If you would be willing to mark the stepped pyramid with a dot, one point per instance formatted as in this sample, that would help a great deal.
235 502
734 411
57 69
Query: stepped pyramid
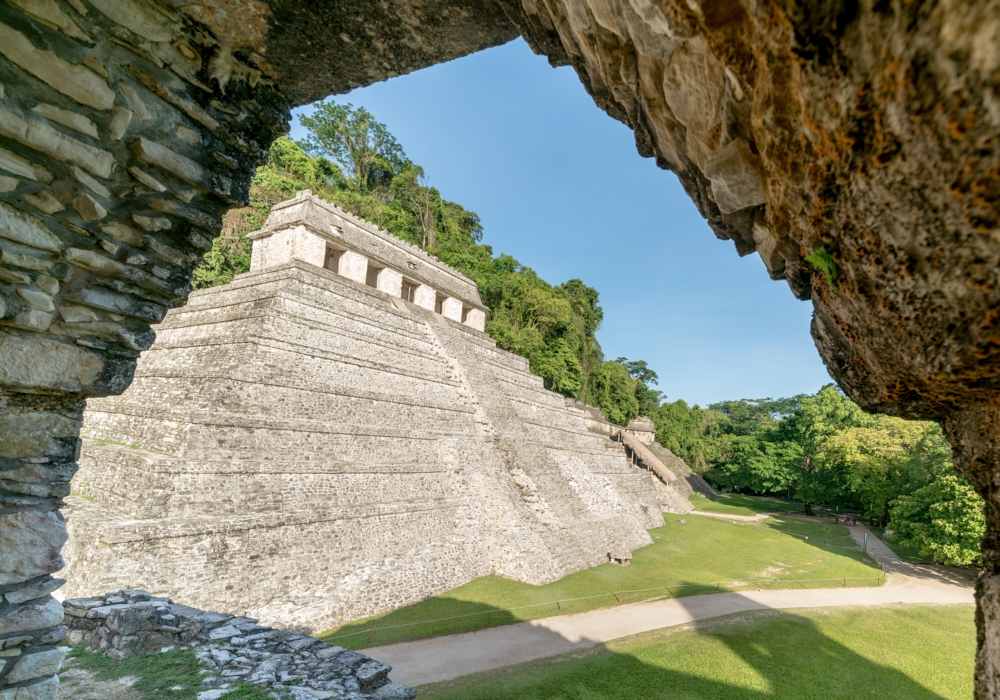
332 435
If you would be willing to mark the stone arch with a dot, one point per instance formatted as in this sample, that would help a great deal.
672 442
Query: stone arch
865 132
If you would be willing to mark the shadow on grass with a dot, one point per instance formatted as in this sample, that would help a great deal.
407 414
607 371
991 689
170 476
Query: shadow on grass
757 654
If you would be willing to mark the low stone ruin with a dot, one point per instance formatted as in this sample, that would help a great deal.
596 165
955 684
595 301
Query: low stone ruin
233 649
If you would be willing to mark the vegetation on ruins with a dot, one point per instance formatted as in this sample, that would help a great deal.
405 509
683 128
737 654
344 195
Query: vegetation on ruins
695 555
896 653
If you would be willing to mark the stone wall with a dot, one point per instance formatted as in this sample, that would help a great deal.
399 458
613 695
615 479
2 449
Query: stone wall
311 450
127 623
126 131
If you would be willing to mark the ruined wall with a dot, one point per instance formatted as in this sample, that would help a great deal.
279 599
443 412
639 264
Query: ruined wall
126 131
310 450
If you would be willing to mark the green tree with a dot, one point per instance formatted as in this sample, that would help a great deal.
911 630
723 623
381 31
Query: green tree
355 140
613 391
943 520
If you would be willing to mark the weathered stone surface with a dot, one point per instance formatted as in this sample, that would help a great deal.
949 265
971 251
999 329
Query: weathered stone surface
29 545
171 161
28 618
88 208
233 649
24 228
92 184
49 13
27 361
35 590
737 177
73 81
44 201
36 299
42 663
46 690
135 17
19 166
67 118
50 141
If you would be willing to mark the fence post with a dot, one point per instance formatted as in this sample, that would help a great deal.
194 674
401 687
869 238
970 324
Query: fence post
845 583
489 617
559 603
368 641
619 596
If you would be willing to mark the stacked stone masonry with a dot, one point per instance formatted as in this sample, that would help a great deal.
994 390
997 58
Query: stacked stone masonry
126 131
233 650
305 448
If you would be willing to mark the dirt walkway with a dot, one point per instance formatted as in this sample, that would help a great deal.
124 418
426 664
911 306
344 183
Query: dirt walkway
444 658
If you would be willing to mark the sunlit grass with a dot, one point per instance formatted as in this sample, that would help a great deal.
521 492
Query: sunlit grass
898 653
740 504
711 554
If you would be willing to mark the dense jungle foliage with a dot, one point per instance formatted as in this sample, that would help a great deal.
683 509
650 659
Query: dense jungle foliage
352 160
821 450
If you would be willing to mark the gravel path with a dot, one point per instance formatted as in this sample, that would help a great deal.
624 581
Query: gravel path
444 658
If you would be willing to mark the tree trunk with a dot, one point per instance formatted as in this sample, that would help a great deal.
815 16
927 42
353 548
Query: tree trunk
974 433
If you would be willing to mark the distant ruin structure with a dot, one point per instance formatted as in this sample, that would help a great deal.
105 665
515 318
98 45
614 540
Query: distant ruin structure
333 435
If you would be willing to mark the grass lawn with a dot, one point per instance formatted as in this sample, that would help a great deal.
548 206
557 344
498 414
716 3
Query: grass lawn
897 653
702 551
739 504
159 674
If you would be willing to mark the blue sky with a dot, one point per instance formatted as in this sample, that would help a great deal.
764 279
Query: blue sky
559 185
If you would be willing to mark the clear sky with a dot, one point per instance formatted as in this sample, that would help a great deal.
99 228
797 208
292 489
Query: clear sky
559 185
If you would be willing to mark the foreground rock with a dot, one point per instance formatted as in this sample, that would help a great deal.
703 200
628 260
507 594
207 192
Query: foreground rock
233 649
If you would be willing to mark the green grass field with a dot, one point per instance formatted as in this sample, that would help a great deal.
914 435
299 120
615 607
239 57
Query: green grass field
898 653
702 551
739 504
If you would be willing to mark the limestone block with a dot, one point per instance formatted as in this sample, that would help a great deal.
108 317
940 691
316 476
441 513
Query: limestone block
31 320
36 299
8 184
354 266
46 690
44 201
74 81
14 163
452 308
119 123
476 319
425 296
77 314
737 177
49 13
42 663
29 545
147 179
67 118
30 618
35 590
27 361
24 228
390 281
308 247
767 248
89 182
168 159
44 138
134 17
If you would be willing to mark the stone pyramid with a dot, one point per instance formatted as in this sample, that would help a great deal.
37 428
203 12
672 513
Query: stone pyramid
308 449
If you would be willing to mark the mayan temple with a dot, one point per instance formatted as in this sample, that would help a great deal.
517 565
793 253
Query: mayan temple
332 435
